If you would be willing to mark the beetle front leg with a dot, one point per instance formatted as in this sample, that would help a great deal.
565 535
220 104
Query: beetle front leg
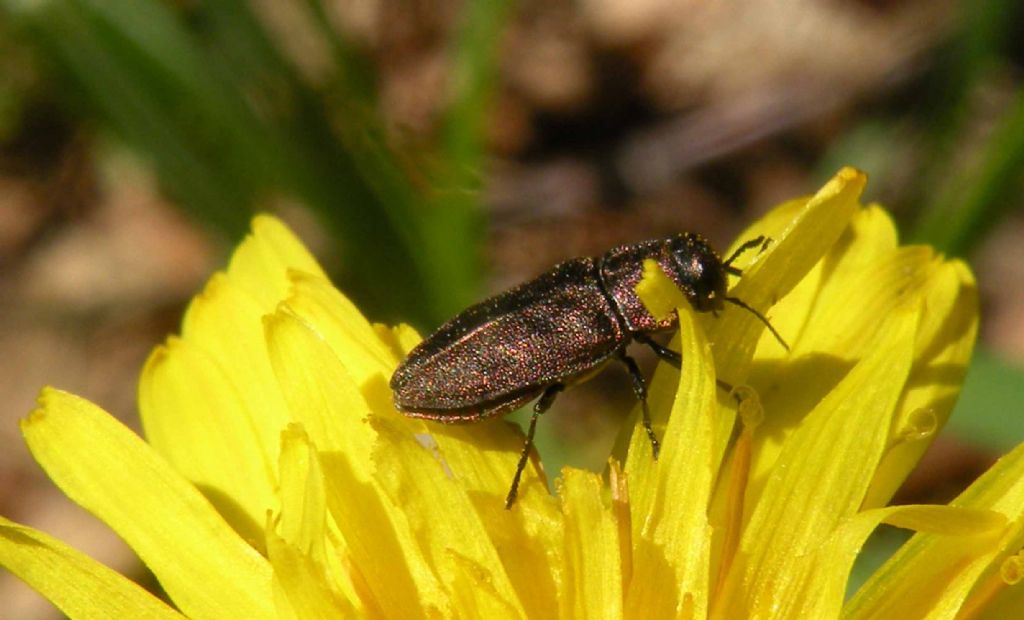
542 405
750 244
640 389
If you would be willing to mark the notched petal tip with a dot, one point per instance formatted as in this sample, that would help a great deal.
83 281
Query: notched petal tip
401 338
36 416
48 403
48 394
275 234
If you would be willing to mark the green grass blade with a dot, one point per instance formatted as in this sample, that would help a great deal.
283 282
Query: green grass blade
971 202
228 125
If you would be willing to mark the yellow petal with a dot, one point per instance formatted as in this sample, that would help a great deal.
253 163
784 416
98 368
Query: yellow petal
482 459
226 324
78 585
320 393
484 455
808 230
668 498
1008 599
825 583
658 293
945 341
196 420
303 517
383 549
473 593
819 478
933 576
594 564
794 252
261 263
865 277
332 315
772 224
400 339
443 520
205 568
301 585
323 397
305 583
869 238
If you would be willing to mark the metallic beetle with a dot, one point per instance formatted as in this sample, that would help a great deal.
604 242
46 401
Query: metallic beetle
535 339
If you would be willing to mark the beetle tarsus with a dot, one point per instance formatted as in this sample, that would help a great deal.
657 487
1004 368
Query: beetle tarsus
640 390
542 405
655 444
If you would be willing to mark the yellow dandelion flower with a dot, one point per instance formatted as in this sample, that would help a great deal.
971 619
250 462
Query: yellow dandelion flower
276 479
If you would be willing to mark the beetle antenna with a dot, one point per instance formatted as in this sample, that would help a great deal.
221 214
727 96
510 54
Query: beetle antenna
739 302
750 244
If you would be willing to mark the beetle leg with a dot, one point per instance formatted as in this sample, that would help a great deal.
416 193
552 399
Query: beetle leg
750 244
640 389
542 405
663 352
672 357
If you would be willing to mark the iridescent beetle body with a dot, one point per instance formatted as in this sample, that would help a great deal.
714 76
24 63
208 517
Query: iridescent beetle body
535 339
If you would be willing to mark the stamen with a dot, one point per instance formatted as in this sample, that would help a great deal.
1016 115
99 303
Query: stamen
737 473
1010 572
748 406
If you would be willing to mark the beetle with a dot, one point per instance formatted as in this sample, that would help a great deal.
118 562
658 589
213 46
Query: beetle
532 341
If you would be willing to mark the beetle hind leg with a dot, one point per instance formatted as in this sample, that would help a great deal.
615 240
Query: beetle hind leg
542 405
640 389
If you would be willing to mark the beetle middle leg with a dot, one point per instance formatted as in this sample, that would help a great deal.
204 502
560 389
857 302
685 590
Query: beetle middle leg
542 405
640 389
663 352
672 357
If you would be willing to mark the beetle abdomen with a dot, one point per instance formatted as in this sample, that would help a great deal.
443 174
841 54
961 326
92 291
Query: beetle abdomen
504 351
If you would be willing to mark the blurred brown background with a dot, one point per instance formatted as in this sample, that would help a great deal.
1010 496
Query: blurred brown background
595 123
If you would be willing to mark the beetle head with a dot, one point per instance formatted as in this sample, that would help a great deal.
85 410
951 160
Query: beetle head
702 275
698 272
